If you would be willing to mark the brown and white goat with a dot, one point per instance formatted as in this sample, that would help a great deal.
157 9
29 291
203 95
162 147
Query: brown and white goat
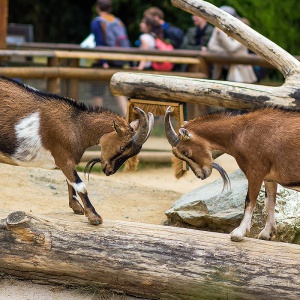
49 131
265 144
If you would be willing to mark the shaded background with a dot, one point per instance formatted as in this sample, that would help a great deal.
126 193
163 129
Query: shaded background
57 21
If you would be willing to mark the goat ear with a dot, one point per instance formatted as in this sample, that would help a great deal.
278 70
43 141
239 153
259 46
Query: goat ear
118 129
184 134
135 124
184 122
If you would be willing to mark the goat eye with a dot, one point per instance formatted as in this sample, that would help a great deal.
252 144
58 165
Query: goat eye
122 149
185 153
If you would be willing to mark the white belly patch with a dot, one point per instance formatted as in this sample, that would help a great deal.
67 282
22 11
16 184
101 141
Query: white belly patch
30 151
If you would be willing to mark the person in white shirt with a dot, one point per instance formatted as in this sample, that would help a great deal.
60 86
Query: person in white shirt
150 29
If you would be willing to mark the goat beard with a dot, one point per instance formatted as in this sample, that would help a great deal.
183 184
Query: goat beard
178 167
224 175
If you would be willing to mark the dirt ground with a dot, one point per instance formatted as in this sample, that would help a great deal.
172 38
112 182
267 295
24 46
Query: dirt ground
141 196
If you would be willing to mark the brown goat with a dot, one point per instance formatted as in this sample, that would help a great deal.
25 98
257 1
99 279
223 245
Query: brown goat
265 144
49 131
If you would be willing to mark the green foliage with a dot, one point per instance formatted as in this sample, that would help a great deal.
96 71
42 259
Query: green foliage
69 21
277 20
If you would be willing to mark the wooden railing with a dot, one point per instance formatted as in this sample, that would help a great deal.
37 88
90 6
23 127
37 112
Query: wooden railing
62 61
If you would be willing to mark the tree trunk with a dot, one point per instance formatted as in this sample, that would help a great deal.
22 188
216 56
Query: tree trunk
153 261
219 93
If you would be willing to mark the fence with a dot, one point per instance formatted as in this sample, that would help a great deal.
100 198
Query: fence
59 66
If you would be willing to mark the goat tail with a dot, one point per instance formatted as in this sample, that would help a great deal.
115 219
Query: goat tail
224 175
89 166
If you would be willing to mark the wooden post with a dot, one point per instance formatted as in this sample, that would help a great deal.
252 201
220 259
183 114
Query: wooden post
73 84
157 262
53 83
3 25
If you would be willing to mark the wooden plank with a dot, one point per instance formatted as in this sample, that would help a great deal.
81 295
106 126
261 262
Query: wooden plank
125 57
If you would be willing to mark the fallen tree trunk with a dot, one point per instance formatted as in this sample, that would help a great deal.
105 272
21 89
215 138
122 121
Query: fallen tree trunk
153 261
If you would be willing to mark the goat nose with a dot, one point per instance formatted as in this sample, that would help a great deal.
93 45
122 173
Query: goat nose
206 173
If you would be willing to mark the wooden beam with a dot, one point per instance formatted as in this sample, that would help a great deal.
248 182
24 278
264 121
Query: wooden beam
147 260
227 94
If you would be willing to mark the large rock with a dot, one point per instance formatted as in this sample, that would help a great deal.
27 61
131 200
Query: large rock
208 208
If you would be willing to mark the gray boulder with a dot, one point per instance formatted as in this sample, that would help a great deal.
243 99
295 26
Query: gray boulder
208 208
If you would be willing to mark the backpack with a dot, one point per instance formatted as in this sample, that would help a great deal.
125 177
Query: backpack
114 32
174 34
163 66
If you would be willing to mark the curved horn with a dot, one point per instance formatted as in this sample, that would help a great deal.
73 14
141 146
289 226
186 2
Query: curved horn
151 124
172 137
144 129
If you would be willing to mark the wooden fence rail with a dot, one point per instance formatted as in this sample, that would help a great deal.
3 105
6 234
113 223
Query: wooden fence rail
62 61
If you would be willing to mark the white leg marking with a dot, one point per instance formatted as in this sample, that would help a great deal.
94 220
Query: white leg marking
30 151
78 187
245 226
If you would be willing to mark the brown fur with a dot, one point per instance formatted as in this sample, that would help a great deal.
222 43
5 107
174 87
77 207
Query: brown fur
265 144
66 130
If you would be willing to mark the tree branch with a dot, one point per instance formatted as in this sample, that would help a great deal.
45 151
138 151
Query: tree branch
275 55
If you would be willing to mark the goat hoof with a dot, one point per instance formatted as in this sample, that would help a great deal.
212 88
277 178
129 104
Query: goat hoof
235 238
78 212
265 236
236 235
76 206
95 220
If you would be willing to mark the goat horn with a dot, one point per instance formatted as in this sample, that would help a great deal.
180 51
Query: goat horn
171 135
151 124
145 127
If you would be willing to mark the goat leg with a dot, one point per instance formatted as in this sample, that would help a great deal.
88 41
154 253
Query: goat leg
238 234
75 185
270 201
89 209
73 202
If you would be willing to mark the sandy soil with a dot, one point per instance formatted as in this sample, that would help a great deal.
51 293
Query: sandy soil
141 196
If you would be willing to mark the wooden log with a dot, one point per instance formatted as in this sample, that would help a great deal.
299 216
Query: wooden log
227 94
147 260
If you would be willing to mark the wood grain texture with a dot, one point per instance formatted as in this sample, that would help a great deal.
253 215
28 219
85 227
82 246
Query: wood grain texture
147 260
